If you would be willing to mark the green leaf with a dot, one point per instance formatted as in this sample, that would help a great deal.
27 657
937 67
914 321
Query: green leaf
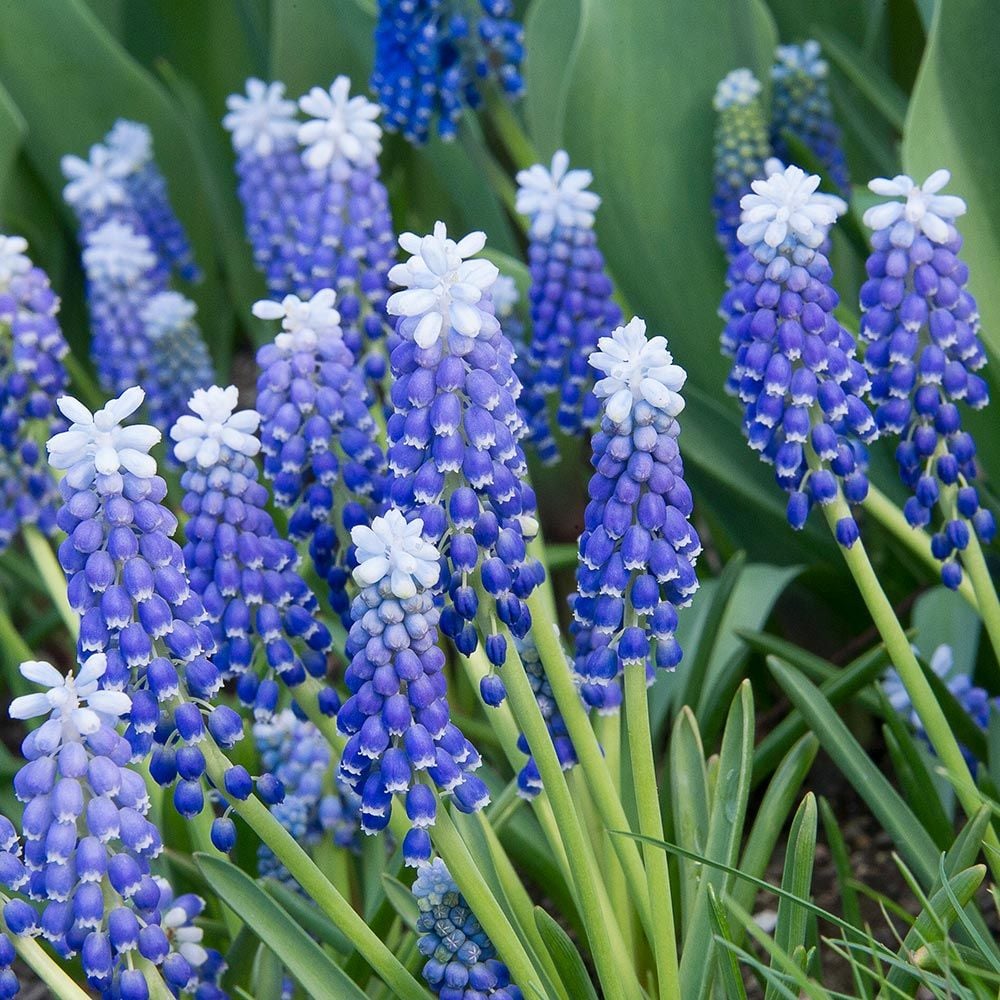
913 841
240 959
569 965
796 879
956 94
402 900
551 33
688 789
942 617
725 830
876 85
310 916
916 782
299 953
12 129
729 966
934 920
782 791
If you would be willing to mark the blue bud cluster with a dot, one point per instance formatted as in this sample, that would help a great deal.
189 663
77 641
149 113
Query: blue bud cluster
316 804
397 718
462 963
431 58
32 376
801 107
920 325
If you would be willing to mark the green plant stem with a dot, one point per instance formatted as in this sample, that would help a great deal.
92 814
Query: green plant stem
519 147
585 871
465 871
11 640
545 632
986 593
44 966
314 883
88 390
52 575
505 729
647 802
883 510
901 654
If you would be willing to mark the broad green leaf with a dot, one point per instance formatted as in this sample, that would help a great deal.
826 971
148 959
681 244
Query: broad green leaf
639 115
571 969
551 30
304 959
725 831
913 841
12 129
876 85
240 959
942 617
796 879
71 81
916 783
956 94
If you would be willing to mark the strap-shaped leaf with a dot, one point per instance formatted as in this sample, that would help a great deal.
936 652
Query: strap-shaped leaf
304 959
565 957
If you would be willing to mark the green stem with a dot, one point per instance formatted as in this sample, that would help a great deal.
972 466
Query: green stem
44 966
52 575
88 390
519 147
302 868
922 698
465 871
880 507
986 594
588 751
616 979
647 802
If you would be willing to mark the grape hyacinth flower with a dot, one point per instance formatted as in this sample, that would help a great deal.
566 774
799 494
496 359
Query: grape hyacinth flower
742 147
921 328
529 780
977 702
397 718
96 189
87 843
638 548
462 963
571 303
431 56
454 452
32 376
131 144
179 359
317 433
343 228
794 366
128 581
801 108
295 752
240 567
272 176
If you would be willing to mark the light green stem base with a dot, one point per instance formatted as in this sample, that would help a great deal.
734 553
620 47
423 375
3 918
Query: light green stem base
52 576
647 800
986 594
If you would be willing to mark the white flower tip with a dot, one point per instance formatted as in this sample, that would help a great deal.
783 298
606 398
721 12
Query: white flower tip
556 196
785 204
215 426
393 548
923 209
341 128
739 87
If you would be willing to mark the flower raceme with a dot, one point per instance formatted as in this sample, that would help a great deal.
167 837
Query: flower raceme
32 376
317 433
571 299
241 568
638 548
397 718
430 56
454 456
794 366
742 146
317 214
920 327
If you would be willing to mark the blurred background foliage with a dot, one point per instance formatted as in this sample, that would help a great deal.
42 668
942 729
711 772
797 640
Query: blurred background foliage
625 87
